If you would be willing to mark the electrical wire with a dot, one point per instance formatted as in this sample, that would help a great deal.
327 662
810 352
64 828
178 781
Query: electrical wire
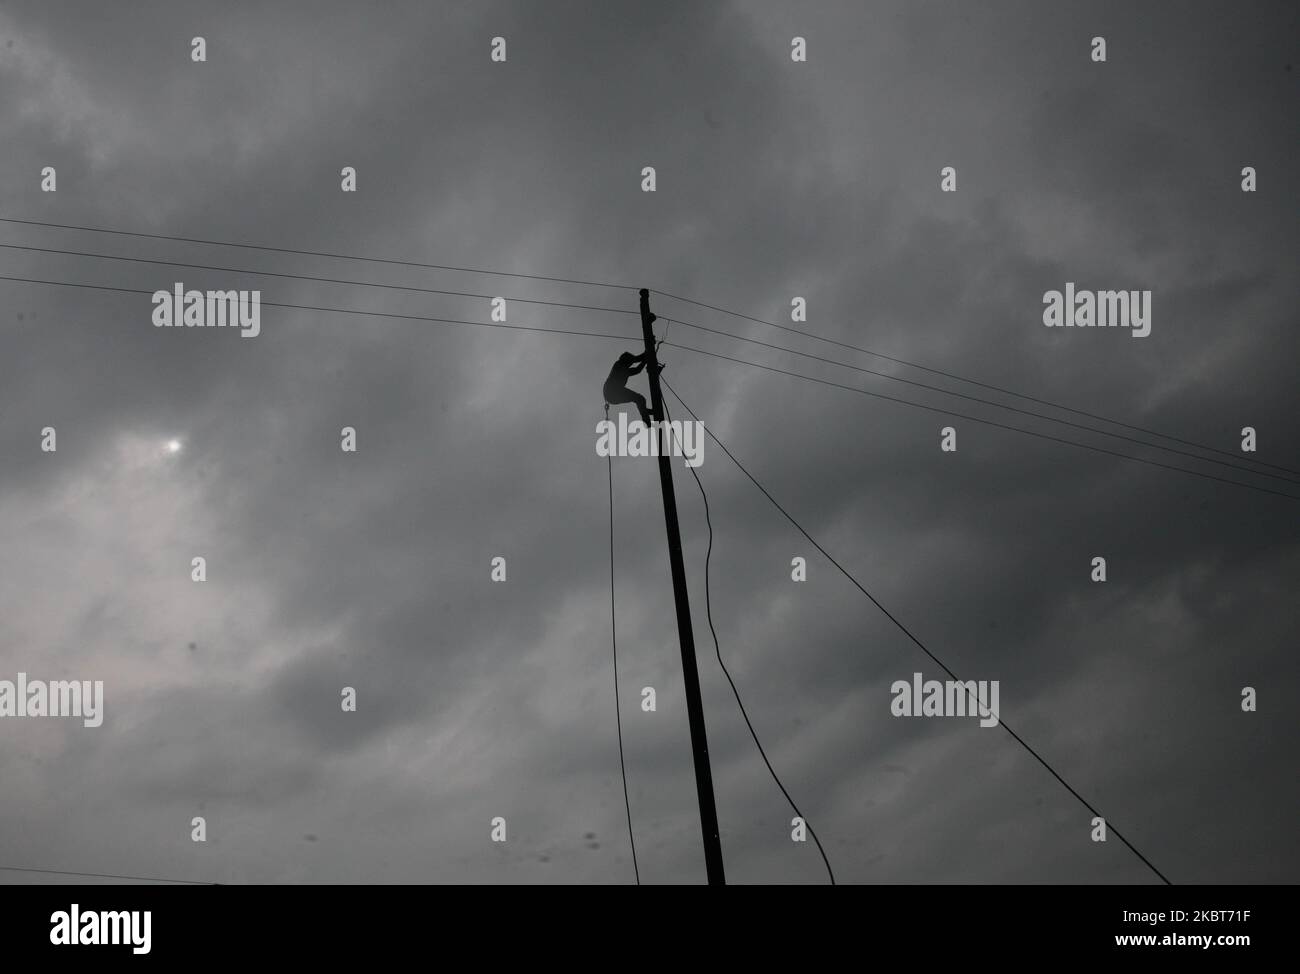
143 879
613 629
908 633
688 324
313 253
698 351
959 378
708 611
675 297
308 277
985 422
998 405
341 311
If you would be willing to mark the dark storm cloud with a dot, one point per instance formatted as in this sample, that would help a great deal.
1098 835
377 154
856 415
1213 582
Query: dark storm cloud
371 570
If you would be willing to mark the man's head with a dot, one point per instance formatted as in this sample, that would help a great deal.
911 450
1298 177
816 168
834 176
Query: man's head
627 358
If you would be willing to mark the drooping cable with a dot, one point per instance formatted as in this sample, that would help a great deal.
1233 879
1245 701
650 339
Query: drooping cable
708 611
613 630
909 634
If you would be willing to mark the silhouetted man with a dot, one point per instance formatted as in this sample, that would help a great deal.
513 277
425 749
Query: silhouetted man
616 390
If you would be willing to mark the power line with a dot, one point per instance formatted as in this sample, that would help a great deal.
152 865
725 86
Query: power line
975 382
613 630
717 649
715 331
675 297
986 422
144 879
688 348
307 277
998 405
908 633
314 253
341 311
780 348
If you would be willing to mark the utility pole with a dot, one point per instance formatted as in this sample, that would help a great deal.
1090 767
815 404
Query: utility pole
690 672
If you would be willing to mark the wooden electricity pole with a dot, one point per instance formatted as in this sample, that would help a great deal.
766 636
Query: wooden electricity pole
690 672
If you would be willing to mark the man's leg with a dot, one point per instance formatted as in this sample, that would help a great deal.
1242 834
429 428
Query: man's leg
616 396
641 405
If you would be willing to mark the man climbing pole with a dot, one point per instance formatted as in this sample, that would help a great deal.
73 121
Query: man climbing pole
616 390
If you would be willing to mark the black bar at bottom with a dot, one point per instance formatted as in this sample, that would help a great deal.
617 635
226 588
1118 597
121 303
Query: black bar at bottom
972 925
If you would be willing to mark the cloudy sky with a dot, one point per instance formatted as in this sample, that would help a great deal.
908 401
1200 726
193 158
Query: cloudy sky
774 179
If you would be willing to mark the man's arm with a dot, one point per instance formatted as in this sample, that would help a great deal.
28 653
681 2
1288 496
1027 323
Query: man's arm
640 364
